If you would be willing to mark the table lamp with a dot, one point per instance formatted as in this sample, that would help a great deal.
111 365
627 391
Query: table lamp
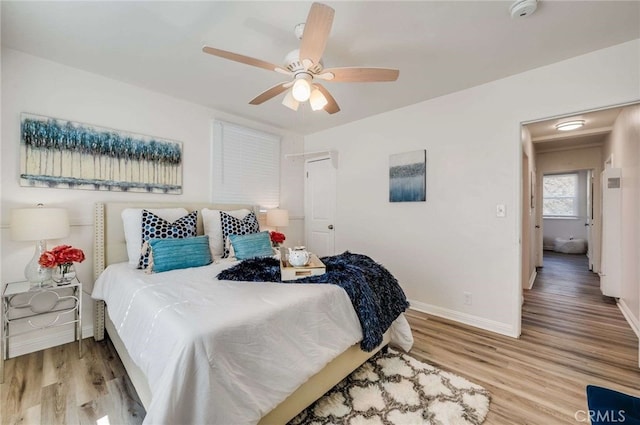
277 217
38 224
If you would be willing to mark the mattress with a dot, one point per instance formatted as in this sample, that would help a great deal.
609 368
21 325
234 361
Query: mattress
226 352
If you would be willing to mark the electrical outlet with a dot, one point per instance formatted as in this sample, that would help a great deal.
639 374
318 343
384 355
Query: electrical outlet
467 298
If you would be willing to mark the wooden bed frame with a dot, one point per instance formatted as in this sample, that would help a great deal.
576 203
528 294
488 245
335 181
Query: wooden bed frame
110 247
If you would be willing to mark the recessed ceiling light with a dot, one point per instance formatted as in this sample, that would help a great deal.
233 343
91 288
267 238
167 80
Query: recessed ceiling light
569 125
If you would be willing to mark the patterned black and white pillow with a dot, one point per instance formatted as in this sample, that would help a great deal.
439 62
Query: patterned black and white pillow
159 228
235 226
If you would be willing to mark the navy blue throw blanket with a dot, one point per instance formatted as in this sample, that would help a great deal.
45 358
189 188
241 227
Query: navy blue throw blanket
375 294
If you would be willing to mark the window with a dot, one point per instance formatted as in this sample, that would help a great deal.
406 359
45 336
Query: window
560 195
245 166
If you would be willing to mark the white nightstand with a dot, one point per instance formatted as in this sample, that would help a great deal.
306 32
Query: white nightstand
21 302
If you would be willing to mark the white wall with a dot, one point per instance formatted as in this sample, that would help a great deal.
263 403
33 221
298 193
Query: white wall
454 243
31 84
624 144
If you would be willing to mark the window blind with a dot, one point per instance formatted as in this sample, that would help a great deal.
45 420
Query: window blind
245 165
560 195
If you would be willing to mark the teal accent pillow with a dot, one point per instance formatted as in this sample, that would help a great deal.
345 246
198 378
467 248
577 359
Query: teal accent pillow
174 253
251 245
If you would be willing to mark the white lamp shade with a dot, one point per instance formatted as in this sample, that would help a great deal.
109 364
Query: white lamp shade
317 100
290 102
301 90
277 217
34 224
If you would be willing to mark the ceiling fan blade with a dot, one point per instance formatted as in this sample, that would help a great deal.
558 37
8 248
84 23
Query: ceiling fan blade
269 93
244 59
332 106
358 75
316 32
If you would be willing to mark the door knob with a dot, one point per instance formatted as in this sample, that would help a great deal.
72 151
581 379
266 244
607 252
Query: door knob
537 227
330 227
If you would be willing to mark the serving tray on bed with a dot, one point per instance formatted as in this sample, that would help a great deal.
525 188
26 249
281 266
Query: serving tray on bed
289 272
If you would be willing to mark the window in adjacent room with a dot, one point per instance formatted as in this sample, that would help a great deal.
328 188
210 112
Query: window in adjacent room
560 195
245 166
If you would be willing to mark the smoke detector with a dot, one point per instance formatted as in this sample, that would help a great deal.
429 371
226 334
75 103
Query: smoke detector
522 8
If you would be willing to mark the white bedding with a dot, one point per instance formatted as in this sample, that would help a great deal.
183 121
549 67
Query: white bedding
226 352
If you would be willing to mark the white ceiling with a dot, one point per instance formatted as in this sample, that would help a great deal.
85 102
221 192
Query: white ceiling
439 47
597 125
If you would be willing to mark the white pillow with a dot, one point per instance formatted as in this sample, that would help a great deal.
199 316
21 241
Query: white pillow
213 228
132 221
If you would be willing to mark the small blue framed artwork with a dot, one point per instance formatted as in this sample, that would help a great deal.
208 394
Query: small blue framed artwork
408 176
64 154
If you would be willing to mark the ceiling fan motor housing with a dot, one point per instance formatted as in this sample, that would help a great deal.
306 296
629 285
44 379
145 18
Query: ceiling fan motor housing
522 8
293 63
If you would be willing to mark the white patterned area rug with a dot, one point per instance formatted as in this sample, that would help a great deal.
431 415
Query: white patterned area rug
394 388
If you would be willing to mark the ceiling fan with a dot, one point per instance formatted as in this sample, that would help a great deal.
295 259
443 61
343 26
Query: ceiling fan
305 66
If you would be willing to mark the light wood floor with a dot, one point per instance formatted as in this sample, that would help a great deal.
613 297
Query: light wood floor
571 337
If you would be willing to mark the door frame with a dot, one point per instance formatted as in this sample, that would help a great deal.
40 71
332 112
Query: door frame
525 238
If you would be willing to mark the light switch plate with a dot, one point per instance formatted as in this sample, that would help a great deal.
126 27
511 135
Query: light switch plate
501 210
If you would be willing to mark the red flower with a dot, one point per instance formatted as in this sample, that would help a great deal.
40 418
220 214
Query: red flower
61 254
72 255
47 259
277 237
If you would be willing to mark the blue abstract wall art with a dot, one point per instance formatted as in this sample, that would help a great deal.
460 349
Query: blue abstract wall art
408 176
65 154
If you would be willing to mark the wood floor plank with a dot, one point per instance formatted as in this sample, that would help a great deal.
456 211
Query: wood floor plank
90 382
571 336
54 403
23 384
127 407
89 412
32 415
113 366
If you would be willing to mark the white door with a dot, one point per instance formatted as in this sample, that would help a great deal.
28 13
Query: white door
589 219
320 206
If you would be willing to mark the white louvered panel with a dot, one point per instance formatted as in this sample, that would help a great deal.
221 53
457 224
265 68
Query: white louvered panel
245 166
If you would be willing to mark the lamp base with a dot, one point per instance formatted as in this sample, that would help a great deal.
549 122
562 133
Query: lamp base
34 272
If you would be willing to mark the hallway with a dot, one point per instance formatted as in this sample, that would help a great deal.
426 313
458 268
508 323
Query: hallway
569 275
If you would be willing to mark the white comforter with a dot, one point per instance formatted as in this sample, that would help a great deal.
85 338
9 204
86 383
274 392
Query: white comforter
226 352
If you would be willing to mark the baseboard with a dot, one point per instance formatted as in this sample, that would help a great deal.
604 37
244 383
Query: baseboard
532 279
53 338
631 319
467 319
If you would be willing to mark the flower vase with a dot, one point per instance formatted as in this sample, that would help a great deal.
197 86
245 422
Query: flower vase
64 274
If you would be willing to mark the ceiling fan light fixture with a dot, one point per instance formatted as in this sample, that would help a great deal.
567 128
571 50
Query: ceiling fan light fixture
304 65
317 100
301 89
569 125
290 102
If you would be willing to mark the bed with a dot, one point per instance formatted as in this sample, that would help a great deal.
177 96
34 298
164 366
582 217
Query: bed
240 364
